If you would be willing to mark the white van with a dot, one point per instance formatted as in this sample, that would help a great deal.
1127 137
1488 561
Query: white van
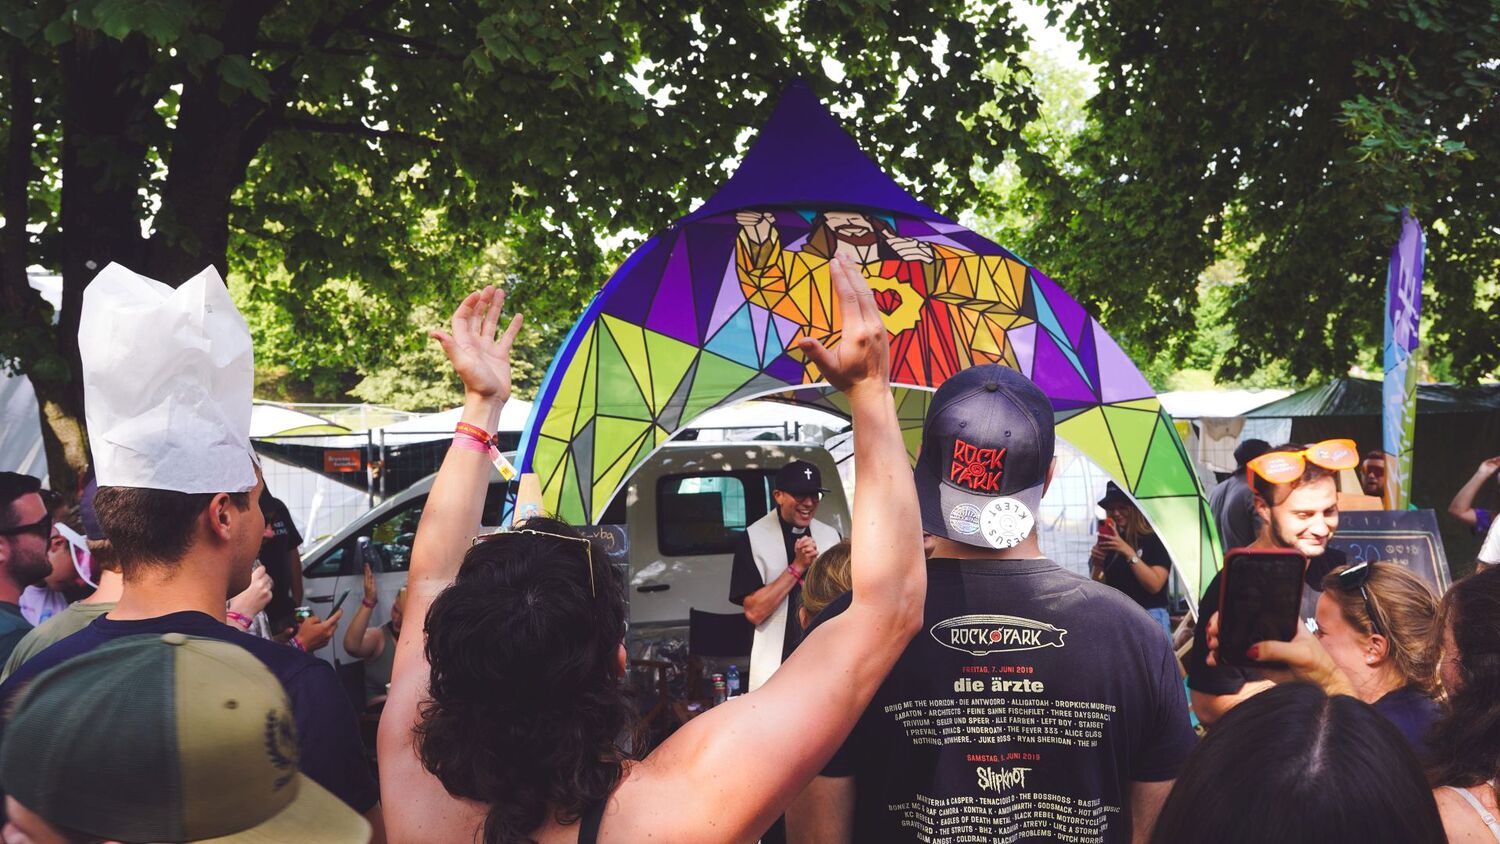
673 529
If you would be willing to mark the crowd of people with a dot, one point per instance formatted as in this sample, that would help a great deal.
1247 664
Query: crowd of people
931 677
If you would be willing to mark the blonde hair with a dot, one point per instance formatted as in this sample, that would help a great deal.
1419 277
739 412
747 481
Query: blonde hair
827 578
1136 525
1407 612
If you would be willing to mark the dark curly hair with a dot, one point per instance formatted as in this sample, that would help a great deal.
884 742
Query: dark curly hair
526 701
1465 743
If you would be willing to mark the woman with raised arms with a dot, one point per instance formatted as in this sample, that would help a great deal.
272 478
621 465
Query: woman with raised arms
503 719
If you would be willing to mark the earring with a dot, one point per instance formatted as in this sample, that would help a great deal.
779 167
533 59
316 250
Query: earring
1370 660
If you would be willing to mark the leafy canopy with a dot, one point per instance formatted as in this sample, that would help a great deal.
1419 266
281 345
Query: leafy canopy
1286 137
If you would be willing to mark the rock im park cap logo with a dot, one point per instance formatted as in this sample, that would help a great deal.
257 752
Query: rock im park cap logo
987 634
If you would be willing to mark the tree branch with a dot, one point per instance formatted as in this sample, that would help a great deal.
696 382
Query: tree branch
328 127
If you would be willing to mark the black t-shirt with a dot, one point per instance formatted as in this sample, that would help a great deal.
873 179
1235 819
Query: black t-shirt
744 578
1227 679
1022 711
1118 572
327 730
275 555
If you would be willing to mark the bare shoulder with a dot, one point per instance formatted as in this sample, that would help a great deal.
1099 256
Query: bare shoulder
1460 822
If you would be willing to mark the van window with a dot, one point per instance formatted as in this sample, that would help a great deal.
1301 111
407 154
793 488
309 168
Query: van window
704 514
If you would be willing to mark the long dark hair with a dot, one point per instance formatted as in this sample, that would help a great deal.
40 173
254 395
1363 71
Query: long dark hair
1296 766
1465 742
526 701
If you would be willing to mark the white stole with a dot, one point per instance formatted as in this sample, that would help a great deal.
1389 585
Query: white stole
768 547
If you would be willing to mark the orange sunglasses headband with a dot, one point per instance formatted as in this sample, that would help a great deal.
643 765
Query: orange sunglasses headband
1284 467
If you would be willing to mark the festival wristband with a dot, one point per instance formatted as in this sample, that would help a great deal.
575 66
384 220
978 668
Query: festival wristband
473 438
796 574
242 621
368 604
297 643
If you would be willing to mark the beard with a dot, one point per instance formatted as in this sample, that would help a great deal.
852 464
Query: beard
31 569
868 238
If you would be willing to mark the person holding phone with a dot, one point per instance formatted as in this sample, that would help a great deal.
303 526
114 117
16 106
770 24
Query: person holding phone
1297 505
1129 556
503 721
376 647
1373 640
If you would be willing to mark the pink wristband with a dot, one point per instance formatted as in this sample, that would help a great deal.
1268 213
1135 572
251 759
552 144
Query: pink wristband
468 443
243 622
297 643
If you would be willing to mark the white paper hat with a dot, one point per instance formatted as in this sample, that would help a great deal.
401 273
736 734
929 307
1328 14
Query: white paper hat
167 381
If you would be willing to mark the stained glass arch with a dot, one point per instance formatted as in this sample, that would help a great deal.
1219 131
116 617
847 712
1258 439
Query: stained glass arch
705 314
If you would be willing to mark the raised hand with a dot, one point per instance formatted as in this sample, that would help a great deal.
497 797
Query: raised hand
862 354
370 593
755 224
481 359
256 595
910 249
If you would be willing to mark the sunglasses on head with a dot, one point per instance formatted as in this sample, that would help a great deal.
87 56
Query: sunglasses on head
1283 467
588 546
41 527
1355 577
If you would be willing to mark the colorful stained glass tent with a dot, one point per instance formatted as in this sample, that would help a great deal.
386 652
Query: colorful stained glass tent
704 314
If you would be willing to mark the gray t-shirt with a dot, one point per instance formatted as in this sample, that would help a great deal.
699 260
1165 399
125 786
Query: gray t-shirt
1233 505
77 616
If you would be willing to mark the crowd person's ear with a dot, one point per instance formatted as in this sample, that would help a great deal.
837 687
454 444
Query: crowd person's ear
1051 467
221 513
1377 649
622 658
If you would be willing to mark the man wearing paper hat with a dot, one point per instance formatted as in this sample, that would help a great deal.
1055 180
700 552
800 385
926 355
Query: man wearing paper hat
1078 693
167 376
184 739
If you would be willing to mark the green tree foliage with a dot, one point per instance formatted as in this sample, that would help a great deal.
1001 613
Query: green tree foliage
312 148
1288 136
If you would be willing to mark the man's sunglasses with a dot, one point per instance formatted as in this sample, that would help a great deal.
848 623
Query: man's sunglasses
1355 577
1283 467
41 527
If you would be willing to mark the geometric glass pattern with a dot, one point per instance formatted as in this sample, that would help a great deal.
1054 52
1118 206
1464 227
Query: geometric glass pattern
706 313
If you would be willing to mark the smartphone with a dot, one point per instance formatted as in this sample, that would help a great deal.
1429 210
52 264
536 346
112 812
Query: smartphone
1106 528
339 602
1260 599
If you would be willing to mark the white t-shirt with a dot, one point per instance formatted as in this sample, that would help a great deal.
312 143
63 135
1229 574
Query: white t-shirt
1489 552
38 603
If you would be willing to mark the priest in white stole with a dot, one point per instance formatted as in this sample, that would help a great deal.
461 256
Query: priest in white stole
769 562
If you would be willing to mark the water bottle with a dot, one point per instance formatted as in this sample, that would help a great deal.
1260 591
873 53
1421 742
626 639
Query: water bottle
718 681
732 679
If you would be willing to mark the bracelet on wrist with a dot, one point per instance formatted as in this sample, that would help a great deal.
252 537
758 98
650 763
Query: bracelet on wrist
369 604
297 643
240 620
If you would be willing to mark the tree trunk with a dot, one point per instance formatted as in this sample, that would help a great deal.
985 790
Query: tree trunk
103 162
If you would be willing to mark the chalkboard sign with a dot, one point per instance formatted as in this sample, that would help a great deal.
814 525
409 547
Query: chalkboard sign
1408 537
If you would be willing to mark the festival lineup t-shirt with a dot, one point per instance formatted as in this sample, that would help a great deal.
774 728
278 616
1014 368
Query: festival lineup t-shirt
327 729
1022 711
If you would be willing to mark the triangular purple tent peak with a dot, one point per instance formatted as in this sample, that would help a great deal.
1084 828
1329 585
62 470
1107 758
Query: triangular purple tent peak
803 158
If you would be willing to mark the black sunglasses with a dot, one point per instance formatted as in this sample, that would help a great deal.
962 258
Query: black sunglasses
1355 577
41 527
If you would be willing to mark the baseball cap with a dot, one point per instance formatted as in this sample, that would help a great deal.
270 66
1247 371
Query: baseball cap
986 449
800 477
1114 495
167 738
